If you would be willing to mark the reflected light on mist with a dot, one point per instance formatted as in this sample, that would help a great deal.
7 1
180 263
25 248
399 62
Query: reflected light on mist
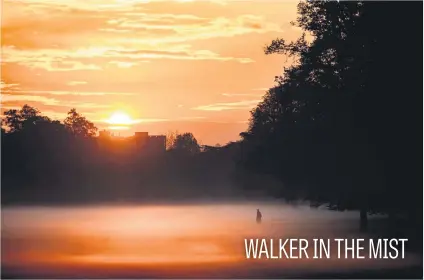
122 235
131 239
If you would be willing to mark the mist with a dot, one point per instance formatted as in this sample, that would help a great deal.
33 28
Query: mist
139 241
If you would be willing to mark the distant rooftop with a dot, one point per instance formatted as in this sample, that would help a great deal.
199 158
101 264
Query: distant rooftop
107 133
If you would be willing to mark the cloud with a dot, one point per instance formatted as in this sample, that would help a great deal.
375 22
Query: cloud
6 87
181 55
14 100
123 64
50 60
76 83
101 5
70 35
240 105
9 98
240 94
70 60
65 92
183 29
88 105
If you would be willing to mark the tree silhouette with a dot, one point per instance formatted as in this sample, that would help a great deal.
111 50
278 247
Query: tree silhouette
17 120
79 125
325 129
46 163
186 143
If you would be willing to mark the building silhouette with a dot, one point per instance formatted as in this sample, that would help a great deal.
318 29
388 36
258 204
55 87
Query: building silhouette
150 143
140 143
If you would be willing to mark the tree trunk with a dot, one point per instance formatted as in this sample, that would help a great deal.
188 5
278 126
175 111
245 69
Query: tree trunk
363 219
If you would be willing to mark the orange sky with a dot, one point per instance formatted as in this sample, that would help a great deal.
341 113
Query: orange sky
194 66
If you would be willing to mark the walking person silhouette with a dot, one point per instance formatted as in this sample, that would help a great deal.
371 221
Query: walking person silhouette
258 216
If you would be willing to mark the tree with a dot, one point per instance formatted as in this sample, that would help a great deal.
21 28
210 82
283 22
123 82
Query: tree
17 120
79 125
43 158
186 143
170 139
326 128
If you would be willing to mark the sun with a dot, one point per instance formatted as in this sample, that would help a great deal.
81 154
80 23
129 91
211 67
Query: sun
120 118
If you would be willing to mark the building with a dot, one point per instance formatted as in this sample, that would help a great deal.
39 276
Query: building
141 138
156 143
140 142
151 144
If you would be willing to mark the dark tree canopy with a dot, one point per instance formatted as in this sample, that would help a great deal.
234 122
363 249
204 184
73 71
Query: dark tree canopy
186 143
79 125
327 129
54 162
27 116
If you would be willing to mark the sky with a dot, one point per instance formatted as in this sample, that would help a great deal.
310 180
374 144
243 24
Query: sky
170 65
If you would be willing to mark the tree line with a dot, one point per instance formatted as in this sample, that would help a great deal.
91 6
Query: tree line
342 125
52 161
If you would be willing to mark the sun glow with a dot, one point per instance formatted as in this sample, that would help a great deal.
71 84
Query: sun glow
120 118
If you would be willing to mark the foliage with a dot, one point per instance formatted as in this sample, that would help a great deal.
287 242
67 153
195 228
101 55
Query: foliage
186 143
170 139
79 125
27 116
326 128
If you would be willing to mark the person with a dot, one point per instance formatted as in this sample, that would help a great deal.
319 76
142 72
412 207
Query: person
258 216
